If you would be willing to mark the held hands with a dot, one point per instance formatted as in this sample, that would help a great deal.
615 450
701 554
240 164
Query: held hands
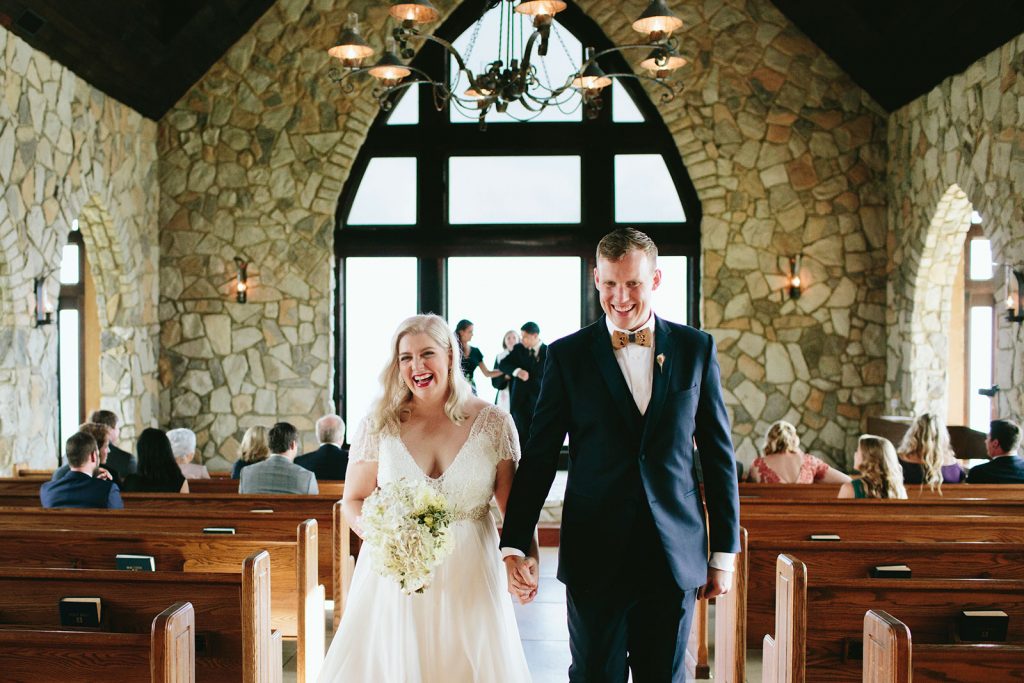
719 583
522 374
523 577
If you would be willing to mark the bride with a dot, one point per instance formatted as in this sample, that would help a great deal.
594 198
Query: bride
427 424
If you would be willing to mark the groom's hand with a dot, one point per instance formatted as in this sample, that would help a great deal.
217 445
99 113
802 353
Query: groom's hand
719 583
523 578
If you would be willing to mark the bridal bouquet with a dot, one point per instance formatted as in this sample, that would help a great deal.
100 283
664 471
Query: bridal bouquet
405 528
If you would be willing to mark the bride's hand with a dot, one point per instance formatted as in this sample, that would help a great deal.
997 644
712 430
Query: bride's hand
523 577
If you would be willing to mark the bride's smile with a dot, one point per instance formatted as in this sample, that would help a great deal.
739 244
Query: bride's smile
424 366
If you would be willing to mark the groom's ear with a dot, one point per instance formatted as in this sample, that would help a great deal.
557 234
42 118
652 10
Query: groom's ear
597 279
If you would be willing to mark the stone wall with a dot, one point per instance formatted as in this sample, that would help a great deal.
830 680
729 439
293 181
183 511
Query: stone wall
67 151
787 155
959 147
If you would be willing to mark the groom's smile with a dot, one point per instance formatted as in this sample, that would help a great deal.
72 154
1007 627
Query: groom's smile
626 287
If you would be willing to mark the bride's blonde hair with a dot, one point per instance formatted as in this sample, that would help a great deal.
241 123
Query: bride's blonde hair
387 408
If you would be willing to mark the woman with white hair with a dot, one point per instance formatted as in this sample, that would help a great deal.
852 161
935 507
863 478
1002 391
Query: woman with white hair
183 444
428 426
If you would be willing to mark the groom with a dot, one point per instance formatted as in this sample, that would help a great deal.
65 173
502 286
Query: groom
635 393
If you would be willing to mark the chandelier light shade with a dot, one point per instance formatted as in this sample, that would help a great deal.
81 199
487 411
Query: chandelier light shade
657 21
511 76
416 12
351 49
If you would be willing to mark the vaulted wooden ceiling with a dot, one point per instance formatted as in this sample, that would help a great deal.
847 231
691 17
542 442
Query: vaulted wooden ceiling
147 53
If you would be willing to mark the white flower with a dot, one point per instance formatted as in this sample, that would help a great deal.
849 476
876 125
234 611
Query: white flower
405 527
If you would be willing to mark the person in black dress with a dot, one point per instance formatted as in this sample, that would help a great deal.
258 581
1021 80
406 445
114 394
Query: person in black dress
158 470
472 358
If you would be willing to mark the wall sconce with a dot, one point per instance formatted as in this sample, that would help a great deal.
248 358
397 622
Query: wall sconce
793 278
1014 299
44 309
241 284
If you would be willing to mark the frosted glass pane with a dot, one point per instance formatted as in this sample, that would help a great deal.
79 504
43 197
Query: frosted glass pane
387 193
624 109
644 191
379 294
670 297
565 54
981 259
498 294
519 189
407 111
69 272
980 367
70 391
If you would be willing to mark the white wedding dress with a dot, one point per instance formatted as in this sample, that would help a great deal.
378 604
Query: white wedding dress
461 629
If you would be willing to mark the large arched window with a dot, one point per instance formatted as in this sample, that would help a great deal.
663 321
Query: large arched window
499 226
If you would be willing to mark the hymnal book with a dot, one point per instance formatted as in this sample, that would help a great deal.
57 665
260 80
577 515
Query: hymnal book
890 571
219 530
982 625
824 537
80 611
136 563
265 511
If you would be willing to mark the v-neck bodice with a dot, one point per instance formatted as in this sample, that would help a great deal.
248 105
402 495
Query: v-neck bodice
468 482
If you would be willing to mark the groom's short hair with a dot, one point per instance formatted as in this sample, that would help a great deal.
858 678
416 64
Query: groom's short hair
616 244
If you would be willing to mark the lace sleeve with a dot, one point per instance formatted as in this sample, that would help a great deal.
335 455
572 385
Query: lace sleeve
506 438
365 445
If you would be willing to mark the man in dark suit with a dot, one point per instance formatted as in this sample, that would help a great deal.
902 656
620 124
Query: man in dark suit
101 433
330 461
124 462
635 393
78 488
525 365
1005 467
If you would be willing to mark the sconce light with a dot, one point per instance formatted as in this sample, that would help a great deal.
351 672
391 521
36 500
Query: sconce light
1014 299
44 309
241 284
794 276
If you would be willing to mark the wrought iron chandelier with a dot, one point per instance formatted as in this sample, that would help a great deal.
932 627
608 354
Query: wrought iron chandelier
511 77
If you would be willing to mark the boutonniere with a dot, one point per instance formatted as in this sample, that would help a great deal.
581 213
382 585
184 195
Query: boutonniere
661 362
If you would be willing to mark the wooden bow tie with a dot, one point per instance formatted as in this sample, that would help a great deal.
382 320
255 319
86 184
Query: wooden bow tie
620 339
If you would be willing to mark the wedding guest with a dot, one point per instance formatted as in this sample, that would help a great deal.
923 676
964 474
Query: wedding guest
124 462
101 433
472 357
879 467
1005 466
330 461
784 463
278 474
508 342
926 456
79 488
525 365
158 469
254 448
183 443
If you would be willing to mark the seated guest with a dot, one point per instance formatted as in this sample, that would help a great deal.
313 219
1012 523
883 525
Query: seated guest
329 461
880 473
158 470
183 443
1006 467
254 448
122 461
278 474
926 456
101 433
784 463
78 488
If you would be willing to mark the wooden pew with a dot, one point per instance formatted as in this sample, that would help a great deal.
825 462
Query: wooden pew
166 655
750 491
882 527
917 506
887 655
234 641
221 485
818 624
297 599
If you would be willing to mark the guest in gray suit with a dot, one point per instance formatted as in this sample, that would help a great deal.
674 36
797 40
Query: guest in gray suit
278 474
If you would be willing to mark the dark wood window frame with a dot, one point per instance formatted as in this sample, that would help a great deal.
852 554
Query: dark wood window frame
431 240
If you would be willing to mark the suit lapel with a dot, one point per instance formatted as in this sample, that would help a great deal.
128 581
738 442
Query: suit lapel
601 347
662 373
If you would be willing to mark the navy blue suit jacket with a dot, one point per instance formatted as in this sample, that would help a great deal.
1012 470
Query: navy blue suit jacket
79 490
619 460
328 462
1008 469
